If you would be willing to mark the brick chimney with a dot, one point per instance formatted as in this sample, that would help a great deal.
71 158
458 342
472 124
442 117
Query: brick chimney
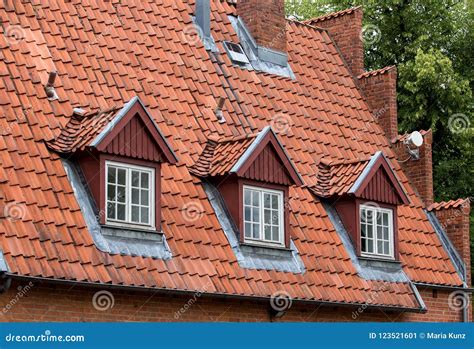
380 90
454 218
419 171
345 28
265 19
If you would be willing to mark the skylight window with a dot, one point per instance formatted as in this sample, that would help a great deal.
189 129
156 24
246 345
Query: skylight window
236 53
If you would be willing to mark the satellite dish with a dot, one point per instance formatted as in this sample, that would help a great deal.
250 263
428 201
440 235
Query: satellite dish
415 139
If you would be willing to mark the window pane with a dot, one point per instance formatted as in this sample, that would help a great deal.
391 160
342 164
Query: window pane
111 210
135 196
121 212
255 215
121 173
363 230
144 214
121 194
256 231
255 198
267 217
385 219
364 245
247 194
385 233
386 247
248 230
145 180
268 232
275 218
276 202
266 200
135 178
111 192
370 233
380 247
135 214
145 197
276 233
247 214
111 174
370 246
379 232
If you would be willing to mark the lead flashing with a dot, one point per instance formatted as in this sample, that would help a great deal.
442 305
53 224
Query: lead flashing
261 58
114 240
253 257
448 246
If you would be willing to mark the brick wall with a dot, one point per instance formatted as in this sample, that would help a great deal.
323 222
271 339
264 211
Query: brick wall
455 222
346 31
419 172
265 19
380 91
48 302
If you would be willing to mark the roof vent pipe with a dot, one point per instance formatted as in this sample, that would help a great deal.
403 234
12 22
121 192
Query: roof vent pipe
49 88
203 17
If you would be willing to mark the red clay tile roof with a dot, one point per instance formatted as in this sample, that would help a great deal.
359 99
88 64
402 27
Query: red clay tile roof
337 178
376 72
81 131
106 53
443 205
218 157
314 21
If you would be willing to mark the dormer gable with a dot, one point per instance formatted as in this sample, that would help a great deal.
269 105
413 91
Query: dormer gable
372 179
128 131
259 157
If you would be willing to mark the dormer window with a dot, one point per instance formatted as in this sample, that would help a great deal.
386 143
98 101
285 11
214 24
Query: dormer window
376 231
366 194
130 194
120 152
263 215
253 174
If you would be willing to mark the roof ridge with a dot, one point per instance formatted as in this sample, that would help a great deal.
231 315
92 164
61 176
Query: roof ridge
376 72
455 203
333 15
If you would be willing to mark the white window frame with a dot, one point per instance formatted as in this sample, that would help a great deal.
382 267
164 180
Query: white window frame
128 189
391 233
281 221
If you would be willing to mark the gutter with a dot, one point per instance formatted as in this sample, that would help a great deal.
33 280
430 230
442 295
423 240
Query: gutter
212 295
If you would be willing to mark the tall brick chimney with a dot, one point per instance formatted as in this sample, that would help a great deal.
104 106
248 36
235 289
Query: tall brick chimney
265 19
454 218
419 171
345 28
380 90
